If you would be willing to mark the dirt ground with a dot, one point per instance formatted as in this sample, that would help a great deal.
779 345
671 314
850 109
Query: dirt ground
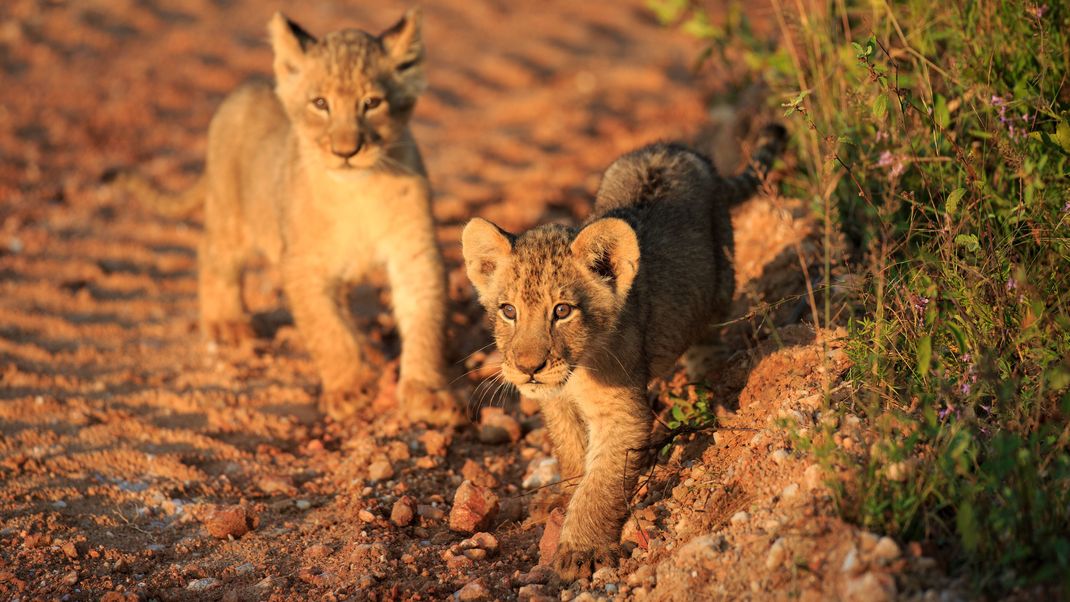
125 441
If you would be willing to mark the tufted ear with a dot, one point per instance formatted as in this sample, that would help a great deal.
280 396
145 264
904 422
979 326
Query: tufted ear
609 249
289 41
403 41
486 249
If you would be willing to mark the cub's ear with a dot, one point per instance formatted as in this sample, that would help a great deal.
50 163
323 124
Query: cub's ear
403 42
289 42
486 249
609 249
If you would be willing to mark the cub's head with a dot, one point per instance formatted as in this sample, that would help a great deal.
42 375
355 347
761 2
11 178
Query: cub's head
349 94
552 294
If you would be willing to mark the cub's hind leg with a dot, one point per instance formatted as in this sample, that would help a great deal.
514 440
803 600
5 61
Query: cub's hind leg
221 257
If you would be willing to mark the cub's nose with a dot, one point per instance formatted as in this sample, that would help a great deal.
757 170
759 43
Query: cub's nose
346 152
530 365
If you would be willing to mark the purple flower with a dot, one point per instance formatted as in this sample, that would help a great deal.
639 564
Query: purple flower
1012 284
1037 11
966 387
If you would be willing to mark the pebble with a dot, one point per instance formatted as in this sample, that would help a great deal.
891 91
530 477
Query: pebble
496 427
739 517
886 549
550 534
303 504
436 443
776 554
851 564
317 551
779 456
541 472
275 484
380 470
203 585
227 521
477 474
871 587
244 568
366 515
402 513
474 508
70 578
473 590
70 550
430 512
814 477
790 491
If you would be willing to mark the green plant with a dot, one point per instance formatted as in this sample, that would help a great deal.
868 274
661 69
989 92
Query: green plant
936 138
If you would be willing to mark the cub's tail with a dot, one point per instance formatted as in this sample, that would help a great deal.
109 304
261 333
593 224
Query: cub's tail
169 204
736 189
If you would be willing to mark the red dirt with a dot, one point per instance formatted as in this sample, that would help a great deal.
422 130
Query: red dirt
137 461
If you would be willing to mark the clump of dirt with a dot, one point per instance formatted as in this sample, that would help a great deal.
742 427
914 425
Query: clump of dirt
138 464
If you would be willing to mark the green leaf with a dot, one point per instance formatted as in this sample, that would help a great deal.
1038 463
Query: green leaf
1062 135
969 241
678 414
952 204
667 11
880 107
925 354
700 27
940 112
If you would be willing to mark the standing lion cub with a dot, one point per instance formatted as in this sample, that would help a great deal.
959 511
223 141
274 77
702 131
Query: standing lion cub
585 318
323 177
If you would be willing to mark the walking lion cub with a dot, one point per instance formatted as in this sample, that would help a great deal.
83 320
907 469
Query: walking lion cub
586 317
323 177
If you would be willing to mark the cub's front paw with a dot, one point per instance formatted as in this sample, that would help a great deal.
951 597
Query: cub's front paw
419 402
228 332
574 561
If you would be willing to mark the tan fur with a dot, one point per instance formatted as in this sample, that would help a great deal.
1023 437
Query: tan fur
644 278
323 177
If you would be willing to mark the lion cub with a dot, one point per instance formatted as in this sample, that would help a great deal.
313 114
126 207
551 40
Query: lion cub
586 317
322 176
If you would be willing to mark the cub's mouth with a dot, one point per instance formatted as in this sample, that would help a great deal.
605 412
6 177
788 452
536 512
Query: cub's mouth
540 385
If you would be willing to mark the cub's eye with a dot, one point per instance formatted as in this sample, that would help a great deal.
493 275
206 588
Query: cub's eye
508 311
320 103
562 311
372 103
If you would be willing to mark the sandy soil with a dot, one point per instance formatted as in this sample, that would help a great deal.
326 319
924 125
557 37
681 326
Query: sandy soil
121 432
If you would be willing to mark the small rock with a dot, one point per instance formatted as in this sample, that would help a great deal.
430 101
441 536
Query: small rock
531 591
368 554
495 427
851 564
867 541
779 456
604 575
70 550
227 521
474 508
900 471
541 472
886 549
814 477
481 540
790 491
317 551
70 578
550 534
380 470
473 590
203 585
303 504
402 513
871 587
477 474
244 568
436 443
776 554
540 574
366 515
430 512
275 484
739 518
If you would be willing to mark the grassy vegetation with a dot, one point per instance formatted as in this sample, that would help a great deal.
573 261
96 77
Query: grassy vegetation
934 137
